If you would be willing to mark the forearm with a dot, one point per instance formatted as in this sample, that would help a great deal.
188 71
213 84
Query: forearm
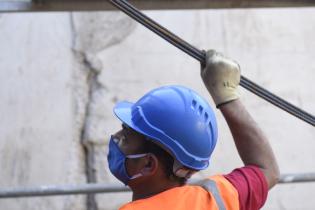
221 76
252 145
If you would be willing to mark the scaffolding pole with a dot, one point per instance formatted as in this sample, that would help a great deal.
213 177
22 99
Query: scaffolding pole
103 5
106 188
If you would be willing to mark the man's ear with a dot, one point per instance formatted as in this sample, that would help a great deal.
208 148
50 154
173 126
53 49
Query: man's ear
151 165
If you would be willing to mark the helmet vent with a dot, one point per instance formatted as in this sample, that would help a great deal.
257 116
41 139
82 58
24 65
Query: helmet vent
194 104
206 116
210 127
200 109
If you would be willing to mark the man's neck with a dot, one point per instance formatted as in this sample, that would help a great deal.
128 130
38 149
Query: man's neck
148 190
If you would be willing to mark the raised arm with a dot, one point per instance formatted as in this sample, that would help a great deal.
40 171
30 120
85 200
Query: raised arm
221 76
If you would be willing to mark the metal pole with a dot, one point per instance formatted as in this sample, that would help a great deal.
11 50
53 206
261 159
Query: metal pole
103 5
297 178
61 190
106 188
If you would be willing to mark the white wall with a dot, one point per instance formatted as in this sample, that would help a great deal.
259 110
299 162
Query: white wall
38 145
47 98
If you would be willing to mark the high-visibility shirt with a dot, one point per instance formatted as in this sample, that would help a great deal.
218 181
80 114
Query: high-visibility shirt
244 188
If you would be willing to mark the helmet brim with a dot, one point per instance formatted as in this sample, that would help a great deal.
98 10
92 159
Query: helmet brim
122 110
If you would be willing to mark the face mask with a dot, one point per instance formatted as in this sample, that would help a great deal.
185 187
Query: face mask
116 162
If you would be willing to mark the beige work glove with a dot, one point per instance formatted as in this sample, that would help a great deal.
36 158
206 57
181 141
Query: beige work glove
221 76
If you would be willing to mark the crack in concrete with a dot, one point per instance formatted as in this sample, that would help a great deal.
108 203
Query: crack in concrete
89 86
87 145
88 148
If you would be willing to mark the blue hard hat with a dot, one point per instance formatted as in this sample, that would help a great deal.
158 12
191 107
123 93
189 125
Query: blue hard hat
177 119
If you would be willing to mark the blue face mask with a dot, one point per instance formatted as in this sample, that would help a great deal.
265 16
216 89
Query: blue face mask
116 162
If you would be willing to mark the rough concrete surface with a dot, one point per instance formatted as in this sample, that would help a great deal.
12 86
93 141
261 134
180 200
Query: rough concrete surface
38 144
62 73
92 33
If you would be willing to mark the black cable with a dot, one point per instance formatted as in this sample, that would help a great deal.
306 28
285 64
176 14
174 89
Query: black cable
200 56
277 101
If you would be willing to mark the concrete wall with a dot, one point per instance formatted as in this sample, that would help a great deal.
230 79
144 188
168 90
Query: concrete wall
39 144
62 73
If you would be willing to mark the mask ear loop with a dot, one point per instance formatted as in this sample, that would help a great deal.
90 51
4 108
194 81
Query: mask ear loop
182 171
134 157
178 169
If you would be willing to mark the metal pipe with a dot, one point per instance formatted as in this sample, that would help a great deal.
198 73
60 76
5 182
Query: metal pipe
98 5
52 190
106 188
297 178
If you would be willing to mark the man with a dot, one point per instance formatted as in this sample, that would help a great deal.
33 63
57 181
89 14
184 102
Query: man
170 133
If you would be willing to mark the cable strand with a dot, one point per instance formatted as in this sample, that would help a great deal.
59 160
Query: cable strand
199 55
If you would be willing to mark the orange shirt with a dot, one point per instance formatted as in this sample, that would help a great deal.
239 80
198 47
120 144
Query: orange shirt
189 197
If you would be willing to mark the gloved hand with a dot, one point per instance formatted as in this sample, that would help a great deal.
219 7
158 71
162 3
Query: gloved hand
221 76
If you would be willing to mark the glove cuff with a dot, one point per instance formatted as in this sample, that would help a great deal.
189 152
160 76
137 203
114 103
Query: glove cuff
224 96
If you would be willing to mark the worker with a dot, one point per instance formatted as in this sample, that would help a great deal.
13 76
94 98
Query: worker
170 133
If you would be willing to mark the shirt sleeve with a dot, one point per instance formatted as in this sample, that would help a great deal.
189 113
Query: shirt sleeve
251 185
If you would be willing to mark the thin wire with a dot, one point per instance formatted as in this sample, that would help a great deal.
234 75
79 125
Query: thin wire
200 56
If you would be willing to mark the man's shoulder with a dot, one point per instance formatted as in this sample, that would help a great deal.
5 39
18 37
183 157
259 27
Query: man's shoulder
251 185
191 196
176 198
